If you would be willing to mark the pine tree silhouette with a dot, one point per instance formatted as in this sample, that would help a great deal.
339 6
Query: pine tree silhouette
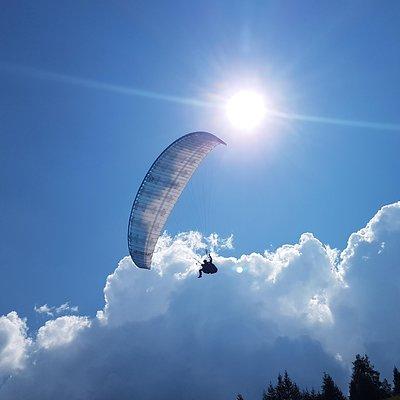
386 389
396 382
285 389
365 383
270 394
311 395
329 390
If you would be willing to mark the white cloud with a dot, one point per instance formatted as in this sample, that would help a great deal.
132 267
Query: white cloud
44 309
164 333
50 311
14 343
366 312
60 331
66 308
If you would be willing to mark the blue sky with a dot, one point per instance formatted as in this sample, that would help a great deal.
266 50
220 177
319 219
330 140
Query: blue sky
72 156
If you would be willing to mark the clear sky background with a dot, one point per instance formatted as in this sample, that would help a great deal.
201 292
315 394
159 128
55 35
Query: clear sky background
73 153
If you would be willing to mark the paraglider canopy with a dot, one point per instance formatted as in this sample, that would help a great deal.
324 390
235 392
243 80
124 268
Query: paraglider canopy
160 190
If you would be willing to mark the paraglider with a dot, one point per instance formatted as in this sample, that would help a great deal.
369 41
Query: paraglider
207 267
160 190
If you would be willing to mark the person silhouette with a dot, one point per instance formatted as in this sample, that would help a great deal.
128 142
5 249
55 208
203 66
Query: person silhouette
207 267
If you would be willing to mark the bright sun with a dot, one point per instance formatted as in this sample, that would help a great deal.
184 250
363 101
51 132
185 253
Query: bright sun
246 110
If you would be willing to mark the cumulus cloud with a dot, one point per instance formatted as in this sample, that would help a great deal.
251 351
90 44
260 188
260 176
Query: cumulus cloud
14 343
166 334
60 331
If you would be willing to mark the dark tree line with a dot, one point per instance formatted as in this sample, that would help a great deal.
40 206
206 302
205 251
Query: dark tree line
365 384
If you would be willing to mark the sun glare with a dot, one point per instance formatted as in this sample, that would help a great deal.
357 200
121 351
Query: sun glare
246 110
